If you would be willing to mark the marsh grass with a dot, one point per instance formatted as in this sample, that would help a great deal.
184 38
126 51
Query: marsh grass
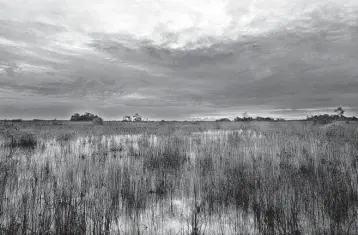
19 140
283 179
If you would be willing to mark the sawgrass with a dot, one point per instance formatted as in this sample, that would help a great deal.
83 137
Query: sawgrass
181 178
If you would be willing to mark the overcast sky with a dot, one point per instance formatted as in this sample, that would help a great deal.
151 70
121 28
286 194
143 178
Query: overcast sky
177 59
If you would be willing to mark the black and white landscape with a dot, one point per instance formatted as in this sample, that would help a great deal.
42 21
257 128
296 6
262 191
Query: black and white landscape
190 117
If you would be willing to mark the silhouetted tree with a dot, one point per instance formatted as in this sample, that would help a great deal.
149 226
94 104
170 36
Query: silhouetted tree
326 118
75 117
137 118
85 117
268 119
244 119
340 111
223 120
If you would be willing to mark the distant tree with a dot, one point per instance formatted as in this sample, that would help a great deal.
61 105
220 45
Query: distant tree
75 117
88 117
323 119
97 121
137 118
85 117
326 118
264 119
127 119
223 120
243 119
340 111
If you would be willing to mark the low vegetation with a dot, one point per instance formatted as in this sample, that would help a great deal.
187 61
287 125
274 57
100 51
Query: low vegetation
136 118
260 119
84 117
326 119
97 121
13 137
180 178
223 120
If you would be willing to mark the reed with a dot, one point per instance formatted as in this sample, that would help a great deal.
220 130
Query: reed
282 179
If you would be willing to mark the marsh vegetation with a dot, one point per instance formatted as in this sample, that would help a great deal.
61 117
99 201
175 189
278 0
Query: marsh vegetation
179 178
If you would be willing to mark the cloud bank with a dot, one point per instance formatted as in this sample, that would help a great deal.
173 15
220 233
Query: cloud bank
177 59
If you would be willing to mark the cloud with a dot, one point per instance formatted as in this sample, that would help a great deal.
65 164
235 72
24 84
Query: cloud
178 58
135 96
187 22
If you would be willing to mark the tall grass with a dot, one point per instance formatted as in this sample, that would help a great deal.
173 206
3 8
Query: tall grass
286 179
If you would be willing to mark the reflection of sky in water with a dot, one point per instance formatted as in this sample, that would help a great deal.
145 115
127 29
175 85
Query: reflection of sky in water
121 151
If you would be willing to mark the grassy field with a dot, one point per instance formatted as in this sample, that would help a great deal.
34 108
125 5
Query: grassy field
177 178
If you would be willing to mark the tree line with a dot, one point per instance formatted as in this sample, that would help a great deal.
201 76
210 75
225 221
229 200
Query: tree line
89 117
319 119
250 119
316 119
326 118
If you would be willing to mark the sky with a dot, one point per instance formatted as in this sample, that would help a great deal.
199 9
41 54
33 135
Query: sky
178 59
